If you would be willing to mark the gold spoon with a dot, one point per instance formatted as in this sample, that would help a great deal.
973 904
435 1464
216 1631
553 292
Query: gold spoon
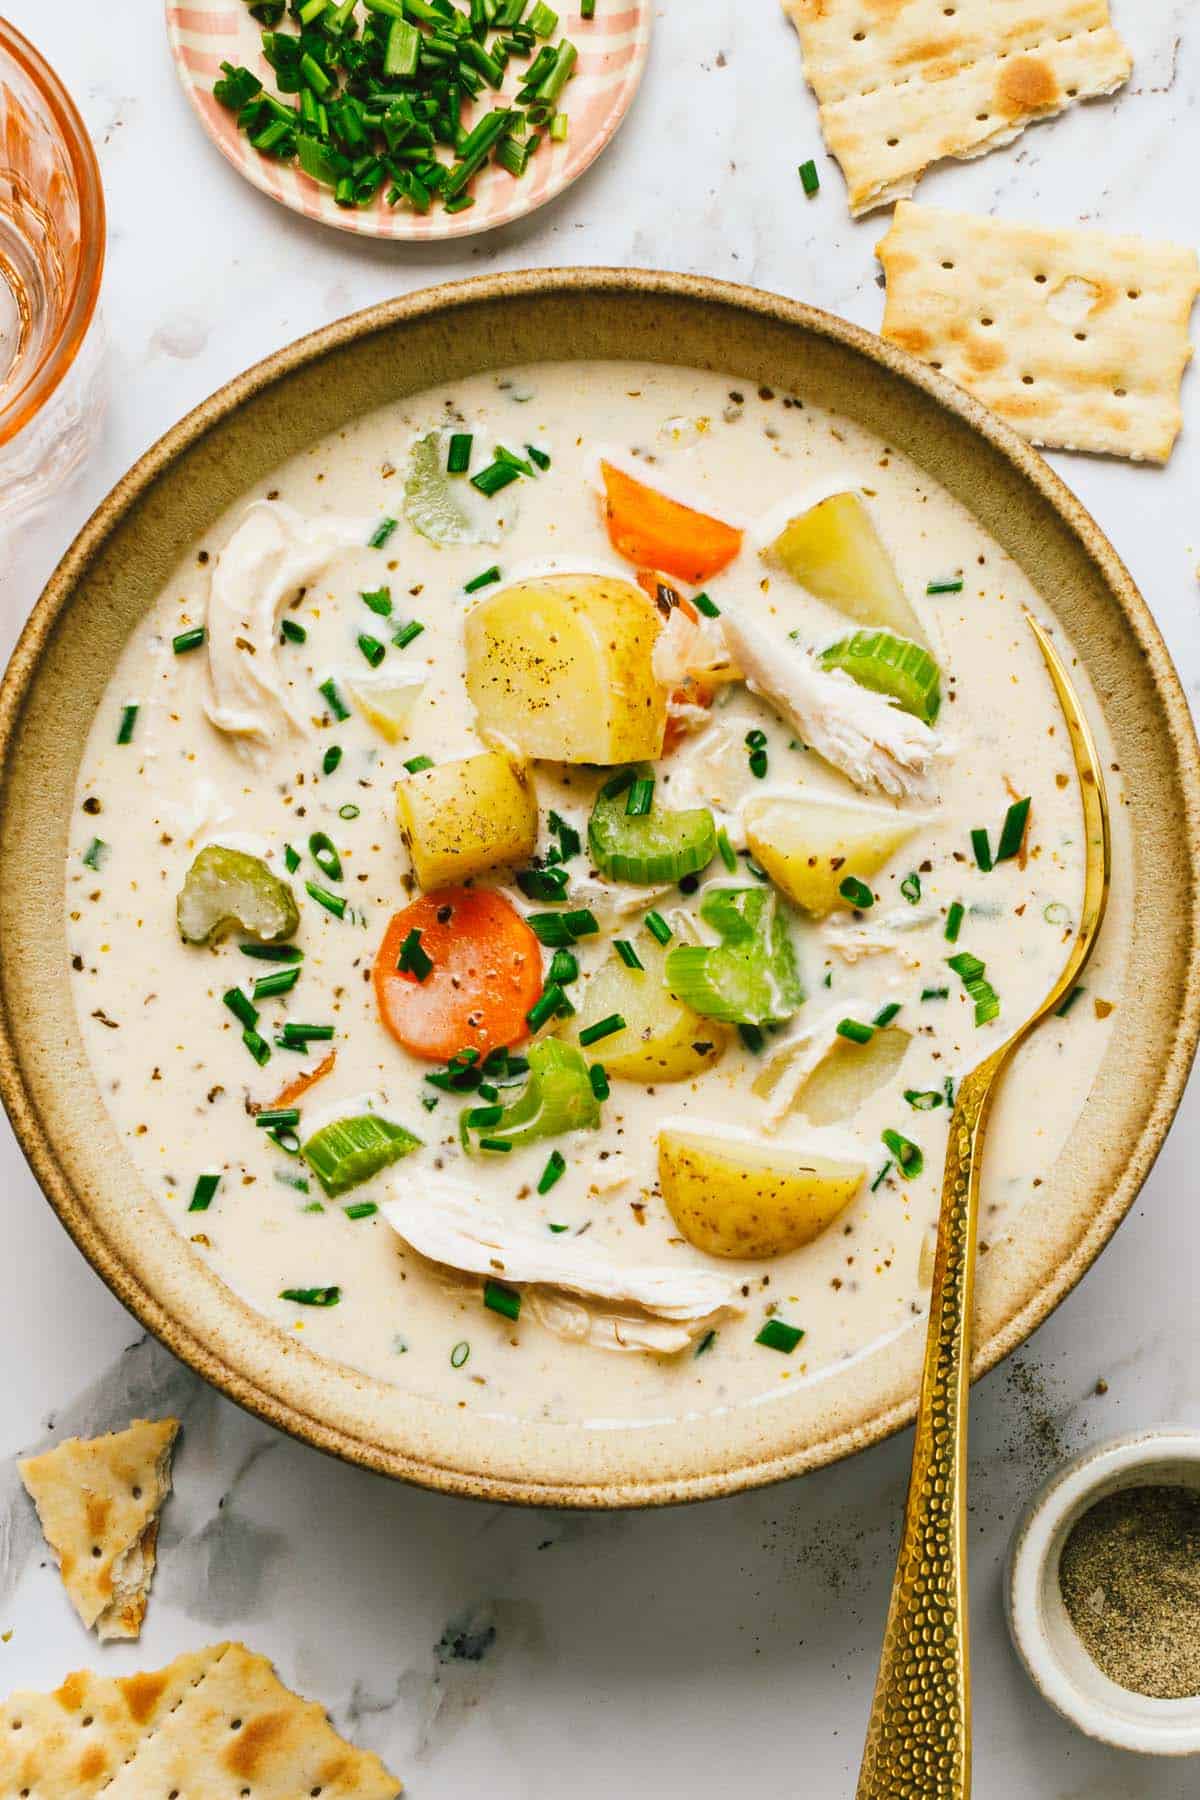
919 1738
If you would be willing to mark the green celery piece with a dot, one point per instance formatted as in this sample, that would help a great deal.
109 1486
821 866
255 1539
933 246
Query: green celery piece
227 888
750 977
557 1097
349 1151
659 846
434 505
889 665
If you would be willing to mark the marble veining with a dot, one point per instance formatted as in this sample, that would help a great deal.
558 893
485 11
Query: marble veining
476 1648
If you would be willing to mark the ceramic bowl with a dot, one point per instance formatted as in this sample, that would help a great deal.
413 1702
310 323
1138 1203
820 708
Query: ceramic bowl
111 575
1045 1640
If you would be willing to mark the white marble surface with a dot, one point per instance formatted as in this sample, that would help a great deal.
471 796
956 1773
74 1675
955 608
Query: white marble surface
674 1653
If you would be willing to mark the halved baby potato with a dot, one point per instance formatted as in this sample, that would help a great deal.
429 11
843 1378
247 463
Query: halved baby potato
560 667
663 1039
834 551
809 845
461 818
737 1199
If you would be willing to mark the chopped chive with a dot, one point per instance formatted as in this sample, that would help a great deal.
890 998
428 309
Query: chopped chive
542 884
413 960
1012 832
294 633
334 701
950 1090
485 579
271 1116
641 797
404 637
657 926
886 1014
203 1192
128 721
705 604
756 739
910 887
282 982
459 1354
1060 1012
188 640
349 811
728 853
501 1146
458 458
857 893
557 1228
555 1169
855 1030
415 764
371 648
312 1296
882 1175
569 841
752 1037
282 953
537 457
982 849
95 853
581 922
298 1037
379 600
617 784
361 1209
239 1005
291 858
970 971
954 919
598 1076
564 967
500 1299
935 993
923 1099
321 849
334 903
776 1334
1056 912
592 1034
258 1046
497 475
550 929
381 533
945 587
331 759
627 953
907 1154
545 1006
706 1343
810 181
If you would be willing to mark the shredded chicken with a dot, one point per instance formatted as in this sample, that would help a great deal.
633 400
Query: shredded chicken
864 734
274 551
686 647
443 1221
884 936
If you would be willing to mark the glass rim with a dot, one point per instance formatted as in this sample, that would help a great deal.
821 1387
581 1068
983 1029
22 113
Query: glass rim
80 303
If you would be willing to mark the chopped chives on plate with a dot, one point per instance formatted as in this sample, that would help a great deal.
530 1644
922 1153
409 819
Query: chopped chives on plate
379 600
333 903
484 579
776 1334
953 586
128 721
184 641
856 892
500 1299
908 1155
627 953
982 849
592 1034
910 887
381 533
331 759
555 1169
404 637
415 764
954 919
294 633
810 181
704 603
281 982
658 928
371 648
855 1031
1012 832
312 1296
458 457
337 706
413 959
203 1192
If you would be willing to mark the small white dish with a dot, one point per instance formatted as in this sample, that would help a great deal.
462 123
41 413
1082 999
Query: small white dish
1045 1640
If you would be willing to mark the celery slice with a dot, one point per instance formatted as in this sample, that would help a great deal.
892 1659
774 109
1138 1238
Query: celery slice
227 888
557 1097
890 665
655 847
349 1151
440 509
750 977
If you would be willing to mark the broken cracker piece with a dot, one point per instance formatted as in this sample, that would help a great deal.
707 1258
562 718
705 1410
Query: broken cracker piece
1079 338
215 1722
903 83
98 1501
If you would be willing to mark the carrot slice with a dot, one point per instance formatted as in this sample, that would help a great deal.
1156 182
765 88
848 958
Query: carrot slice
302 1083
656 532
486 974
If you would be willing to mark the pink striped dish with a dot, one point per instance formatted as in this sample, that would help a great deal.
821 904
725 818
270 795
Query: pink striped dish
612 54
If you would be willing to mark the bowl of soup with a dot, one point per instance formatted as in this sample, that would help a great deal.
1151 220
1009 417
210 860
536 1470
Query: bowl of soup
518 814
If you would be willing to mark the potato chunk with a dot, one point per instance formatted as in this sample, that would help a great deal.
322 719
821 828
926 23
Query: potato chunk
834 551
462 818
850 1074
561 667
809 846
663 1039
730 1198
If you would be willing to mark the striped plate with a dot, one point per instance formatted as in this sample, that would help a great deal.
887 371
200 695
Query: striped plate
612 54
